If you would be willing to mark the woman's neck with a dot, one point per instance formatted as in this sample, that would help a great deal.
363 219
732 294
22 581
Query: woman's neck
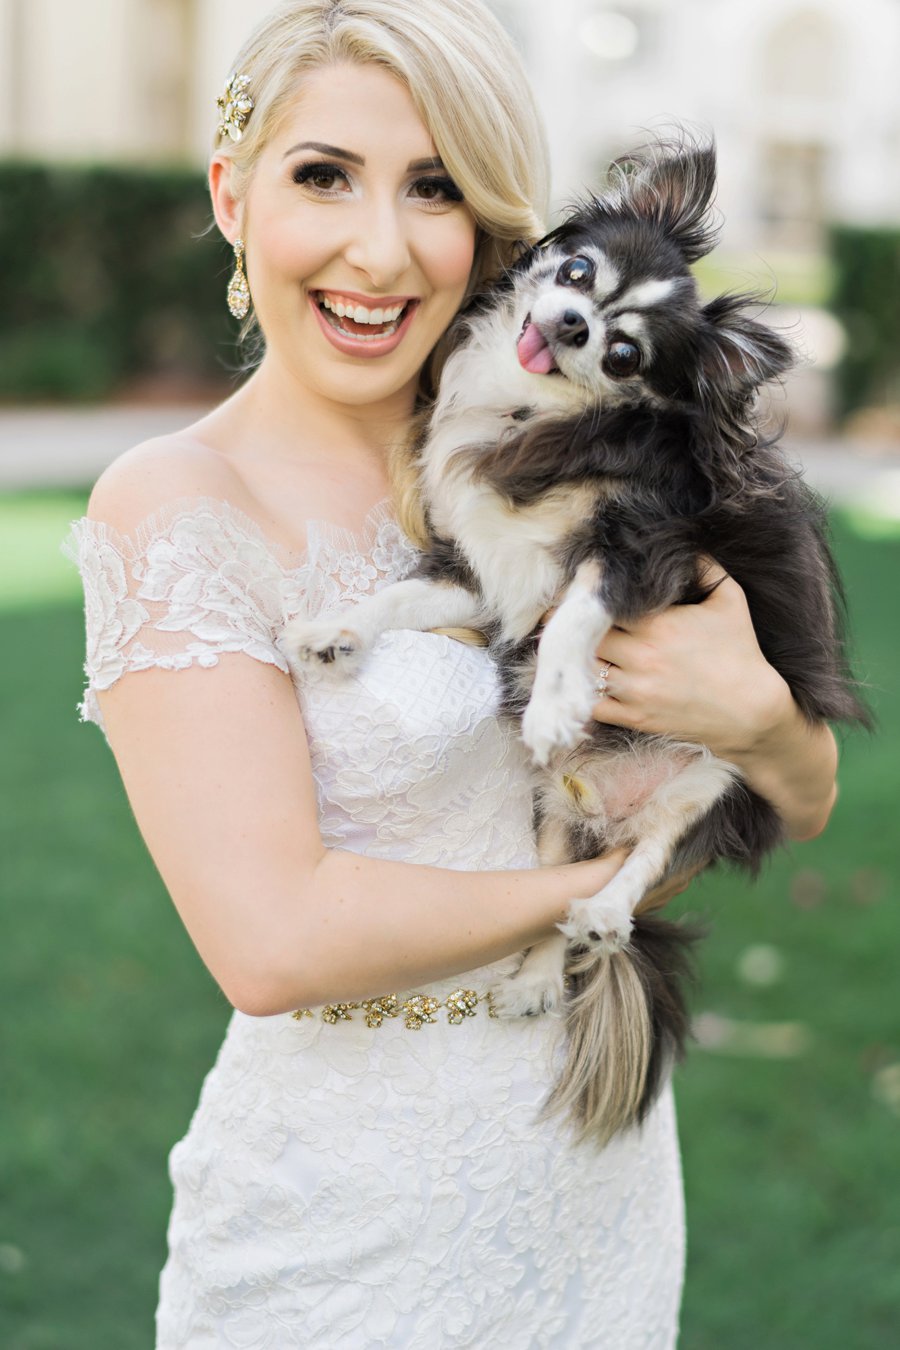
276 416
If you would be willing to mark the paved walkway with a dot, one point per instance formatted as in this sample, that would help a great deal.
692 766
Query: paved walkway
69 447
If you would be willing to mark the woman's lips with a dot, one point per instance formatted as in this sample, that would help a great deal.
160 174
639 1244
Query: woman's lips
364 345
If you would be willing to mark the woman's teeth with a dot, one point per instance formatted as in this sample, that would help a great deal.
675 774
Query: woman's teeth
351 318
359 313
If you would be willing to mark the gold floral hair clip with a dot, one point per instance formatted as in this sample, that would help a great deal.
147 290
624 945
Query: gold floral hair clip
235 107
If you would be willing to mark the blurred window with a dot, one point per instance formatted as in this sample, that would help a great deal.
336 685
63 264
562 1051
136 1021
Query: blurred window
622 33
163 52
792 193
800 57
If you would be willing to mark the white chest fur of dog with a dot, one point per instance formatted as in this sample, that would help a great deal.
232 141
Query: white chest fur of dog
511 548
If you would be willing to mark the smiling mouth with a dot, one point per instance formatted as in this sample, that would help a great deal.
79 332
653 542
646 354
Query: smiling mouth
356 321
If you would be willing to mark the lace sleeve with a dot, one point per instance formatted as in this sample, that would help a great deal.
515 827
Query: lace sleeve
193 582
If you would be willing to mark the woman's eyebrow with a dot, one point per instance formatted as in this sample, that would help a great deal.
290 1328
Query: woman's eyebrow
414 166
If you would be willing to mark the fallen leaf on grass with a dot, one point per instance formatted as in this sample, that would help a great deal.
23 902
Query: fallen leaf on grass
807 888
886 1087
761 1040
760 965
868 886
12 1259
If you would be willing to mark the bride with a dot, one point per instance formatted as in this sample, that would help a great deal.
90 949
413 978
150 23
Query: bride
354 861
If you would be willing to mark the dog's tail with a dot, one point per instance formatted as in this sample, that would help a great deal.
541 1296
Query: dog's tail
626 1024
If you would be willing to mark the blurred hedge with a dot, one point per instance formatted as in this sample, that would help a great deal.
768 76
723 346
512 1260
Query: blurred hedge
108 277
866 300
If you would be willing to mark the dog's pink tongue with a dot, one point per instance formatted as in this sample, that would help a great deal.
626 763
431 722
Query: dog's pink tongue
534 353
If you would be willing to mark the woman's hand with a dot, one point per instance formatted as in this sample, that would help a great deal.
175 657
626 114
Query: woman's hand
695 672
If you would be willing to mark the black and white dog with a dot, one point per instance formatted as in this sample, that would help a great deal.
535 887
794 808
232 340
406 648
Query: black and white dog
592 439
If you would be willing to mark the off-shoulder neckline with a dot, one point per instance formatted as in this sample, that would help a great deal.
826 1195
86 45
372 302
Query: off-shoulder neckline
318 530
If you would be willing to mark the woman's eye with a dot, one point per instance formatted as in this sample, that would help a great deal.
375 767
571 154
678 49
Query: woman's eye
437 190
320 177
622 359
328 180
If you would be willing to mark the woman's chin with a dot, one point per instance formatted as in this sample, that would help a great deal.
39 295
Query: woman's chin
370 385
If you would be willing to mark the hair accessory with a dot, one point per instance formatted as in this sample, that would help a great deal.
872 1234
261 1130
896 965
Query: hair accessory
238 290
235 106
601 684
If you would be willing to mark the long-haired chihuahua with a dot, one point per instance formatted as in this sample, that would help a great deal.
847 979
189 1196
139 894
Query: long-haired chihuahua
592 442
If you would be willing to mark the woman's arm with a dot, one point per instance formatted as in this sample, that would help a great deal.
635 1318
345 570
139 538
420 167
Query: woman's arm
792 764
696 671
216 766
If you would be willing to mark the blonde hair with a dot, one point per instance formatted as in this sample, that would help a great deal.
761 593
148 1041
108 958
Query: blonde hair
470 89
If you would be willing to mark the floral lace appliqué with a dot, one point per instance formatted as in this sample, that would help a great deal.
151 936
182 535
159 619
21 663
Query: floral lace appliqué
200 579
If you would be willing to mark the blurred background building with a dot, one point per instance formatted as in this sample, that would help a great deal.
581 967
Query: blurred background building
800 94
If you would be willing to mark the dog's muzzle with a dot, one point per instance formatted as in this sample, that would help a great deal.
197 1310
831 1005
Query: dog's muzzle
540 337
572 329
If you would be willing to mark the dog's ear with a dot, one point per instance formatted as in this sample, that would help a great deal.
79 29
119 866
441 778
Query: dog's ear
674 185
737 353
734 356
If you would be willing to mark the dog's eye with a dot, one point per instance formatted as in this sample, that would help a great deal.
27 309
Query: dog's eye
622 358
577 271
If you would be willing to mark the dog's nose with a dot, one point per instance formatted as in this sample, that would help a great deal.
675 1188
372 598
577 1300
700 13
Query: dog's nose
572 329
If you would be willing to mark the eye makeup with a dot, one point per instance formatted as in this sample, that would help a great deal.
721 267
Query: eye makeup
305 175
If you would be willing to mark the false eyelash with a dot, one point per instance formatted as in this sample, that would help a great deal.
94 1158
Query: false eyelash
304 172
447 186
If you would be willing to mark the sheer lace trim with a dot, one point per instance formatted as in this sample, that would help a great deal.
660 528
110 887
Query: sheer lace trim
159 523
200 578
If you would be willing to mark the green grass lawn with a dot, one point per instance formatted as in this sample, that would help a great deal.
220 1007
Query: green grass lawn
790 1111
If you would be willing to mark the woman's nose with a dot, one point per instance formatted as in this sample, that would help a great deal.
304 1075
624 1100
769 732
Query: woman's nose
379 246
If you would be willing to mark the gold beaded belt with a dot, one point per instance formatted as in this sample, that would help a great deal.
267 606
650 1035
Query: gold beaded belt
415 1010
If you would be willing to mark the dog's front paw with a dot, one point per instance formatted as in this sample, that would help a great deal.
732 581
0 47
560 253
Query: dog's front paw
323 642
601 923
556 720
527 994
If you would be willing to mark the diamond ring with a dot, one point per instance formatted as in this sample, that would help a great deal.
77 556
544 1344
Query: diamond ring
602 681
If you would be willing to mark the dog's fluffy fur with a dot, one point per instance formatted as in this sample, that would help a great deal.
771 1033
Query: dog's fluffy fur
592 439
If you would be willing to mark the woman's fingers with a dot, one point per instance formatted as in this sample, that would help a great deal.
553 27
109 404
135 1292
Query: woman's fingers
615 712
615 646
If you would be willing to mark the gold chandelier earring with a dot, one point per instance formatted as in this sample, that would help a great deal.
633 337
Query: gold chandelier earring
238 290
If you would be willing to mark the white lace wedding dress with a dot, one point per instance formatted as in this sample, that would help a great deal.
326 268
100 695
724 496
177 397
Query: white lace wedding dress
346 1185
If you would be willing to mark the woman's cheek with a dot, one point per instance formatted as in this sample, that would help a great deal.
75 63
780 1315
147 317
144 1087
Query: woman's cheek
452 255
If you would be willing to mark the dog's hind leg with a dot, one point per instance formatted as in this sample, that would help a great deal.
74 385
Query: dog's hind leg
565 685
344 636
537 986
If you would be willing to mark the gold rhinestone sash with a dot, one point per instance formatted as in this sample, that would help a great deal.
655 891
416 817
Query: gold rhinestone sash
416 1010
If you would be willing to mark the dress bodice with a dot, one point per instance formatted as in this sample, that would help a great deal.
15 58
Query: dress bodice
408 754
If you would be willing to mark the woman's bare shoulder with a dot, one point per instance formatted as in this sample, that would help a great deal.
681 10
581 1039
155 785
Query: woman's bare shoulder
157 472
